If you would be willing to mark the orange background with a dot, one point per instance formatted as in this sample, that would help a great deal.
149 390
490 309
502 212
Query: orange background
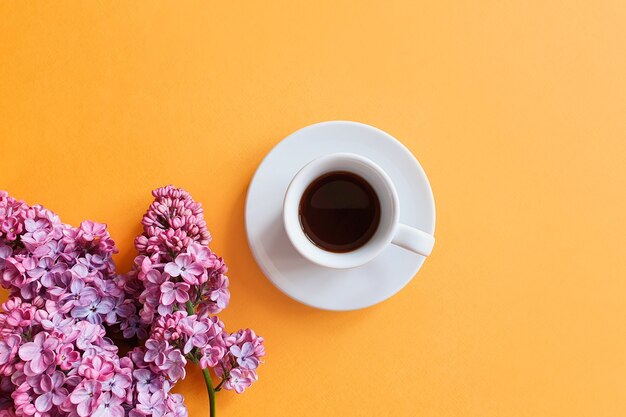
516 110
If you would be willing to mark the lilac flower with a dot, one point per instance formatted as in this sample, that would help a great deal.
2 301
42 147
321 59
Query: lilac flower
81 271
152 404
185 267
45 269
156 278
38 354
196 332
54 323
99 368
18 314
174 365
67 357
111 406
30 289
156 351
168 327
8 348
240 379
51 391
201 254
147 381
211 356
79 294
86 397
93 262
239 340
91 230
150 297
174 292
245 355
12 274
36 240
11 228
221 295
94 312
175 403
88 334
23 399
33 225
121 309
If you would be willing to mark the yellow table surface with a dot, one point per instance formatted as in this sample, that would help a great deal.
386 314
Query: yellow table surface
516 110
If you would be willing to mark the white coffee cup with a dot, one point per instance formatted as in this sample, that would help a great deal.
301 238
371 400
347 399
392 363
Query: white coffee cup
390 230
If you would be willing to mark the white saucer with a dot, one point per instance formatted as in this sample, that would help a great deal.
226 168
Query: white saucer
309 283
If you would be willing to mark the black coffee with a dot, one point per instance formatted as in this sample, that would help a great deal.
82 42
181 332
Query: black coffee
339 211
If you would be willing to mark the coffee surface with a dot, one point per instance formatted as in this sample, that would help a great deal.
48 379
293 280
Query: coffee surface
339 211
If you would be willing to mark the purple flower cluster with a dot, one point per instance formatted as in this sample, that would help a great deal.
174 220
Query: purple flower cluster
56 356
169 282
71 368
42 259
238 368
184 285
172 223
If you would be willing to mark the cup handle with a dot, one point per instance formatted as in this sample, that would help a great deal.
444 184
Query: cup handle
413 239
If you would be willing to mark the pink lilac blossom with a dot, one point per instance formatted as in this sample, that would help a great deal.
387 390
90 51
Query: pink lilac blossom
244 352
41 257
240 379
56 356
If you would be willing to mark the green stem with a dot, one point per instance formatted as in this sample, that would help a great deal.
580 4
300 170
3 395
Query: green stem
219 386
199 296
225 378
207 376
190 309
209 386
